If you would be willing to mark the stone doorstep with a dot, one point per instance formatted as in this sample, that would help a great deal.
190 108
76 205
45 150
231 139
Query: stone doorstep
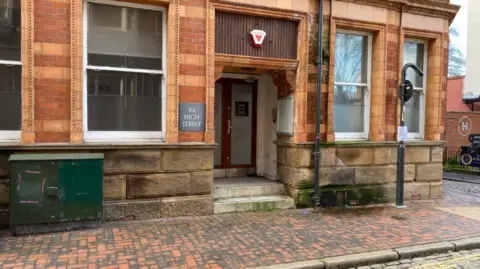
382 256
254 203
248 191
234 188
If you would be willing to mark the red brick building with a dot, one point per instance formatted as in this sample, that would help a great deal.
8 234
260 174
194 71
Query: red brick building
463 116
455 86
175 94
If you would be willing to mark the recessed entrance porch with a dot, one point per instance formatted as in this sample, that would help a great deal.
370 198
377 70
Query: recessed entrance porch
245 175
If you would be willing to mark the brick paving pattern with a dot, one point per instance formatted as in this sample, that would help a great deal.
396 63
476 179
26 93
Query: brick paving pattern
242 240
234 240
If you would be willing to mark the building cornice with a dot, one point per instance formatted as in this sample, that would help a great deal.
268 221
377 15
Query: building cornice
432 8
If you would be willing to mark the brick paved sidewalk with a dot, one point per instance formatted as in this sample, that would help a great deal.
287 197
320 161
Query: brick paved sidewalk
234 240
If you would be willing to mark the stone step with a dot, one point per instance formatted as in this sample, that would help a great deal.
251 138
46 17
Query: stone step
245 188
253 203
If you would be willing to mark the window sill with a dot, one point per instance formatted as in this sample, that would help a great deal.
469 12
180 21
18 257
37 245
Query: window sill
351 136
104 145
415 138
362 143
10 136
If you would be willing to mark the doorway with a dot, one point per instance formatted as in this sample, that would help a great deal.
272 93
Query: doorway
235 123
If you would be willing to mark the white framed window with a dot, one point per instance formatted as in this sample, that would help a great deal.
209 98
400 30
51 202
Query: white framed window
353 57
125 67
10 70
415 51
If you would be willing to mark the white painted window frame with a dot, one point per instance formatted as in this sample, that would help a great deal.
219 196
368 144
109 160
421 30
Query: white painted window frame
366 123
11 135
421 134
112 136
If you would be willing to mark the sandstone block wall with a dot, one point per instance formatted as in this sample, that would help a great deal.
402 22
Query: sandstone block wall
345 165
145 183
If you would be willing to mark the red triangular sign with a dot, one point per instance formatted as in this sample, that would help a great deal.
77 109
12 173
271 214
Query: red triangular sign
258 36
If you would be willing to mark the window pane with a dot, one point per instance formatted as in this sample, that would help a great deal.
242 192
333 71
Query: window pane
106 16
10 98
349 109
414 53
124 37
412 113
119 101
351 52
10 36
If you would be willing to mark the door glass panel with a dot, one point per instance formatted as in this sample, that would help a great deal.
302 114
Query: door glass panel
241 121
218 123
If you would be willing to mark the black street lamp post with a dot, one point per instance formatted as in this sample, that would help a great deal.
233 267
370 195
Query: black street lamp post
404 94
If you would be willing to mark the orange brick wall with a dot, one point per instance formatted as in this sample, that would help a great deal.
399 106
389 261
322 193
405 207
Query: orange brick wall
312 82
52 71
192 70
53 105
385 80
393 69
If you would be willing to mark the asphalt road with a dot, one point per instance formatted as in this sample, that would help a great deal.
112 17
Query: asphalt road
468 261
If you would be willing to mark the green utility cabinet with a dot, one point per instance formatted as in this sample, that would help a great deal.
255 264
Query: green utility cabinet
53 192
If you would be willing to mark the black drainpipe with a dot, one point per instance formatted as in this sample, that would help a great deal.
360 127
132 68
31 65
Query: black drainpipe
316 179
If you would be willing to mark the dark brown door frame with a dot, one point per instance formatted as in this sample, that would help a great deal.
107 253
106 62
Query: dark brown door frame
226 116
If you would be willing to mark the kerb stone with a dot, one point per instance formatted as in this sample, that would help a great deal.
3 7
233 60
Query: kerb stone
355 260
424 250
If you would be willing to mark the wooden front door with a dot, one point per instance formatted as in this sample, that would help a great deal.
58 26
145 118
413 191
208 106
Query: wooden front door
235 123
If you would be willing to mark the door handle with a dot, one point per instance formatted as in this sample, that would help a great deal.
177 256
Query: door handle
229 126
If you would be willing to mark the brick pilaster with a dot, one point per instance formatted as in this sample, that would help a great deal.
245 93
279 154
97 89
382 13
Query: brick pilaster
52 71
